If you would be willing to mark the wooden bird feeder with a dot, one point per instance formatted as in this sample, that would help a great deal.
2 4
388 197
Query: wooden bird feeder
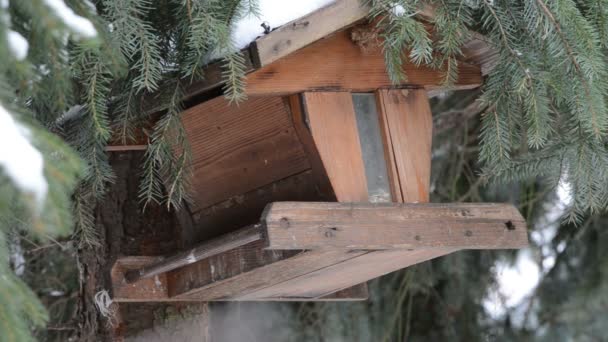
319 181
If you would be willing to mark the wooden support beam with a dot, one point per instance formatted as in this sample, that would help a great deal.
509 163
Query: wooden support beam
315 225
339 64
226 276
333 127
208 249
369 265
407 122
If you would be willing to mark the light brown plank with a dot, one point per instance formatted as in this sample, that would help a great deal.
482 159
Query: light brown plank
314 225
339 64
307 29
236 149
339 276
331 119
408 124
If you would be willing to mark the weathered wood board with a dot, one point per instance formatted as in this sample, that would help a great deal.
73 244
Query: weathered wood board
368 265
315 225
331 119
337 63
406 119
227 276
306 30
236 149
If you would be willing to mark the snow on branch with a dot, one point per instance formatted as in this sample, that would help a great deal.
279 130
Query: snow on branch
21 161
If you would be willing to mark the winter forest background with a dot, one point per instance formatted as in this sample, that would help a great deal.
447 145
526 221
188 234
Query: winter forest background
74 71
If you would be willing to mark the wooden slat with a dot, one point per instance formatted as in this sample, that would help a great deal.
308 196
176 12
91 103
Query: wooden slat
408 125
333 126
313 225
307 29
205 250
337 63
339 276
318 170
155 289
236 149
247 269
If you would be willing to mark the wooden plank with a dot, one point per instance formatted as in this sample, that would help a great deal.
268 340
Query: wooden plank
408 124
155 289
354 293
207 249
338 63
318 170
339 276
314 225
331 118
246 269
236 149
307 29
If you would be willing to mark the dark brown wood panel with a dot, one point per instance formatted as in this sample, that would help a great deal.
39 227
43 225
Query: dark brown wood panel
300 225
245 209
240 148
246 269
338 63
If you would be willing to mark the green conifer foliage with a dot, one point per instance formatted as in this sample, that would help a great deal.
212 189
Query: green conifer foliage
546 97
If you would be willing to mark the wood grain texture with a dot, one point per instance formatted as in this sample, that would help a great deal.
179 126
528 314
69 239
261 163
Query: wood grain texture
333 126
337 63
408 124
207 249
314 225
151 289
245 209
236 149
155 289
246 269
361 268
318 170
307 29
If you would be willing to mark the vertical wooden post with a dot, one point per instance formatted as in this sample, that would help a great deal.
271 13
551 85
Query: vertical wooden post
405 116
333 126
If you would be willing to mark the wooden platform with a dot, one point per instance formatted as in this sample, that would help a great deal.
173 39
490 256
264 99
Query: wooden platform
314 251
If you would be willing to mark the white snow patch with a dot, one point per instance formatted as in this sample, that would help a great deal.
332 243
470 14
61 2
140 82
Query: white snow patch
17 44
16 256
517 283
22 162
275 13
75 22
